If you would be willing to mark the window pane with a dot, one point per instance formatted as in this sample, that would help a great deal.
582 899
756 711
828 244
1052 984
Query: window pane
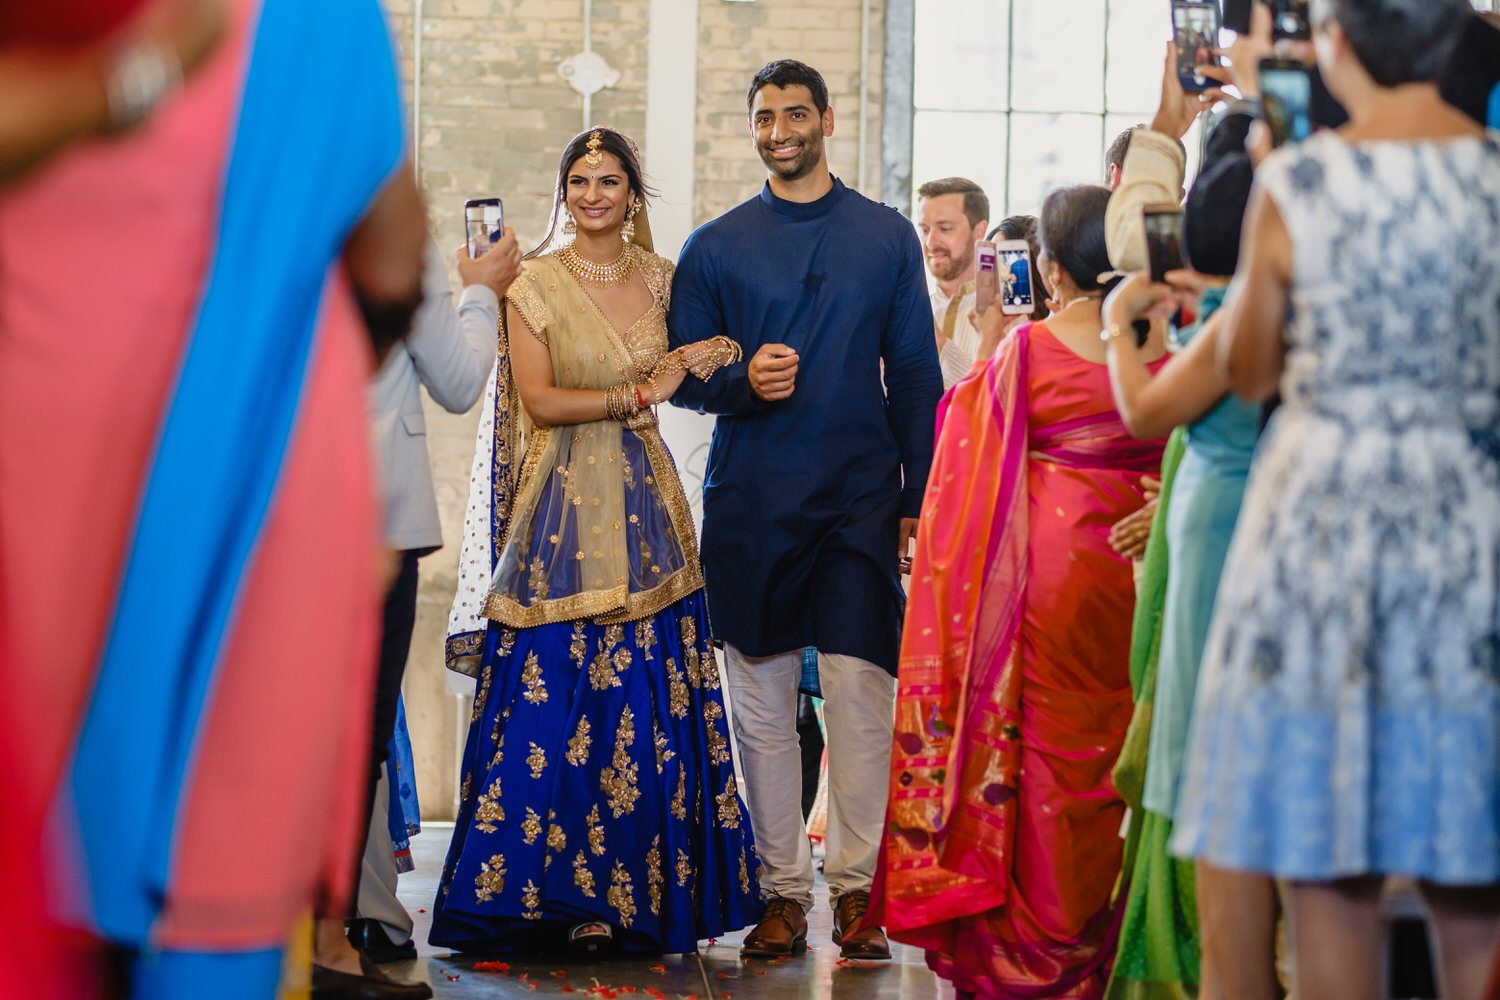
1138 36
1052 151
961 59
1058 59
960 144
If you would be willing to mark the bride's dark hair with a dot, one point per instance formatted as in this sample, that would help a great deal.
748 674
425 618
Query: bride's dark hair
610 141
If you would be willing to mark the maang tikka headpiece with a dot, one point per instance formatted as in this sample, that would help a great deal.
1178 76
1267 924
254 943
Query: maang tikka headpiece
593 157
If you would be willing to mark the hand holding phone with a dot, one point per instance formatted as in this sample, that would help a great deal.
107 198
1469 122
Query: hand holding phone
484 224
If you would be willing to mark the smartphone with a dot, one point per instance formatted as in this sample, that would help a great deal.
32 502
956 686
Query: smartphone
986 274
484 224
1013 276
1286 91
1289 19
1237 15
1195 29
1163 239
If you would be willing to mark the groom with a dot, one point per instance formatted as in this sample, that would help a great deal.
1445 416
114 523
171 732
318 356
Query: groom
813 488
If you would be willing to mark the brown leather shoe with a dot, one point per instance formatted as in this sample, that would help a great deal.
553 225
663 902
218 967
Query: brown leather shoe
782 930
855 940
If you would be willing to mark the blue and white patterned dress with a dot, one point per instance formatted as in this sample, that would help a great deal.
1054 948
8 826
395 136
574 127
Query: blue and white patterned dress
1348 712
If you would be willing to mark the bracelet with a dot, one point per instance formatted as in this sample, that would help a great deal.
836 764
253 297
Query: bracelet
621 402
1114 332
655 390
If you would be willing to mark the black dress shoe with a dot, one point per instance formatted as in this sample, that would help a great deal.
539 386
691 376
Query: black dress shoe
330 984
369 938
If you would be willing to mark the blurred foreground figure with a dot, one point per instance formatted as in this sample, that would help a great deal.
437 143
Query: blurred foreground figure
187 541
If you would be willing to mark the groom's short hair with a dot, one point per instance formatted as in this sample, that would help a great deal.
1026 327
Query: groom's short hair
785 73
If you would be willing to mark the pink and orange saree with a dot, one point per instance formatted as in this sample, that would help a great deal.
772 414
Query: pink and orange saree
1003 831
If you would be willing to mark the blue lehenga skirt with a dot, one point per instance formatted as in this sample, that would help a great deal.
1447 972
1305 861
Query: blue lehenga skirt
598 786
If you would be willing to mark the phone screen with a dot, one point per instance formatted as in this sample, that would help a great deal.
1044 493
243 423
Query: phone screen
1195 30
1015 281
1163 240
1286 93
986 278
484 224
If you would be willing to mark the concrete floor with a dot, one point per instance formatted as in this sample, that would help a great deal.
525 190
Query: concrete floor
717 971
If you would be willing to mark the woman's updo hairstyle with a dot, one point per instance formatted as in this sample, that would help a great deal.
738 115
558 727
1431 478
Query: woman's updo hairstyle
1398 41
1071 231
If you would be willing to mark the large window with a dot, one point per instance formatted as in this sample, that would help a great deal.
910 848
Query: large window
1024 96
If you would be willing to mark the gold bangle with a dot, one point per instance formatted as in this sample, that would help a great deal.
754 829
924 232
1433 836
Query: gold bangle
1114 332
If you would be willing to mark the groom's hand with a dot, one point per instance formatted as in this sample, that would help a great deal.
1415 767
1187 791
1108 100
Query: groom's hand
773 372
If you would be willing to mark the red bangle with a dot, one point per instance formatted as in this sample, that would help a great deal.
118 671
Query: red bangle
640 399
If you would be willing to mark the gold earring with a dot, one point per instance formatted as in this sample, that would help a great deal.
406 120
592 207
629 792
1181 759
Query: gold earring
570 227
627 232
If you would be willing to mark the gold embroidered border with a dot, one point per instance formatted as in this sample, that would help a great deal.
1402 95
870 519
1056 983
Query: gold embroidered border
615 606
528 301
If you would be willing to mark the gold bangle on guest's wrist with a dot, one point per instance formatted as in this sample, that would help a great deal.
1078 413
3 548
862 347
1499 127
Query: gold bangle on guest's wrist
1114 332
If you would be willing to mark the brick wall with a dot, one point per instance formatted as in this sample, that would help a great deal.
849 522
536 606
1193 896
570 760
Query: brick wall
494 116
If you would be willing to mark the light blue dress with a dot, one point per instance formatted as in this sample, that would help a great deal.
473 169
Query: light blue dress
1348 711
1206 497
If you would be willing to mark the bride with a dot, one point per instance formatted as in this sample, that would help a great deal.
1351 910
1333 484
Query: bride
600 806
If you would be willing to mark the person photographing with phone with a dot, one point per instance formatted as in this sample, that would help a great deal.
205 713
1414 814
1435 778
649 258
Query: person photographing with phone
1352 644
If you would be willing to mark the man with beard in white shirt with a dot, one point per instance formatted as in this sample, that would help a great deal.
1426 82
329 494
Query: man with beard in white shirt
952 214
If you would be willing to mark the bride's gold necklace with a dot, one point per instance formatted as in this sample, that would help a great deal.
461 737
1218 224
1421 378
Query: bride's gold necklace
616 272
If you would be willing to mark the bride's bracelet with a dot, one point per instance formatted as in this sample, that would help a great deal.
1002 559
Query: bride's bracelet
620 402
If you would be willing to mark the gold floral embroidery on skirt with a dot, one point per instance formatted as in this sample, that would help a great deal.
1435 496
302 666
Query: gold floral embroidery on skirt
531 899
663 754
578 746
531 826
619 781
677 692
684 868
557 841
484 690
531 676
621 894
536 760
602 673
490 881
596 831
653 875
687 627
679 797
489 811
645 638
729 806
718 743
582 877
744 874
578 648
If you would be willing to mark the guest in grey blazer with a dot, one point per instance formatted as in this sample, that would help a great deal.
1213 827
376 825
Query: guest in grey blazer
452 353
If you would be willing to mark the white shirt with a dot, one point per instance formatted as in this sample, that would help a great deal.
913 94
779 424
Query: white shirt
959 340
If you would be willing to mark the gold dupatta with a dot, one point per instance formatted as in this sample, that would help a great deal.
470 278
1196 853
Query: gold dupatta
600 527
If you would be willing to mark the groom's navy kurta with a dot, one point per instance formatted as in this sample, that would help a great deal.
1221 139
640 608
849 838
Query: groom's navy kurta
802 497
